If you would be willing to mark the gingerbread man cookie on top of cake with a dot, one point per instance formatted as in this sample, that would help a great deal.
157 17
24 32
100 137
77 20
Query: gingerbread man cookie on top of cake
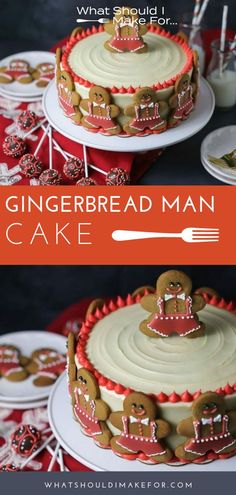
90 411
210 429
126 32
141 431
173 309
147 113
101 113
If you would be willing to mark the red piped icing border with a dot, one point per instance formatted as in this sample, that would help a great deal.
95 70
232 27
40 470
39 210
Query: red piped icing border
103 381
152 29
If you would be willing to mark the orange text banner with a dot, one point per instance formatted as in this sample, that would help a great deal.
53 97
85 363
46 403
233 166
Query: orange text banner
103 225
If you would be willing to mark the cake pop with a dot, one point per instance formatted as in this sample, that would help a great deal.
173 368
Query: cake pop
74 168
27 120
30 165
25 440
14 146
117 177
50 176
86 181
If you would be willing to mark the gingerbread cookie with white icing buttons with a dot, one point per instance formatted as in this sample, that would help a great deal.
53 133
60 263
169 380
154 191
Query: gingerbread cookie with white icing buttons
100 112
43 74
17 70
46 365
126 33
12 363
210 429
68 97
182 101
173 308
147 113
89 410
141 431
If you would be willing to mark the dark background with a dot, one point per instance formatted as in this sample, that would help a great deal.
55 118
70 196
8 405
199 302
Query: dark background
30 297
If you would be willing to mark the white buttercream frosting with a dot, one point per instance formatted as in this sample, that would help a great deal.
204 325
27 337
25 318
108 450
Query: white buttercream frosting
125 355
91 61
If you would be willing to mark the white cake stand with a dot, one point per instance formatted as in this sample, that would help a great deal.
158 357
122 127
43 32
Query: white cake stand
197 120
84 450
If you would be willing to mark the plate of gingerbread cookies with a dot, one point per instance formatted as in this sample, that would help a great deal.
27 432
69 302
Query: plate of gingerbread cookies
30 363
26 74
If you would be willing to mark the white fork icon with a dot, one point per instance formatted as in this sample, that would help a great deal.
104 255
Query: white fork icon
190 234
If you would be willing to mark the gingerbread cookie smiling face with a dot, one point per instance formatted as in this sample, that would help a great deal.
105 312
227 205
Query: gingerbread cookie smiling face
210 429
141 430
147 113
101 112
173 308
126 33
46 364
12 364
17 70
90 411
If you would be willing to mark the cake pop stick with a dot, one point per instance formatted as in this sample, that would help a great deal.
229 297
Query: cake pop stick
85 161
51 452
29 164
66 154
61 460
50 177
54 458
42 447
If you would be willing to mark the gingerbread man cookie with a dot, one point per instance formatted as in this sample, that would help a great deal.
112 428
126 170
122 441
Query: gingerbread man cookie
71 366
90 411
173 309
210 429
44 73
46 364
182 101
147 113
126 33
17 70
12 363
69 99
101 112
141 430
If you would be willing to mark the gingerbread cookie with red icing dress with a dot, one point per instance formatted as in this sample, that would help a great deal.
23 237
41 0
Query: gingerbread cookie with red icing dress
210 429
69 99
147 113
141 430
44 73
101 113
126 33
17 70
173 309
90 411
12 363
46 364
182 101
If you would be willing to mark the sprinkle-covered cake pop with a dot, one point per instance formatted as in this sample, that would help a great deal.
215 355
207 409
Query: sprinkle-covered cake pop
86 181
117 177
27 120
14 146
50 177
9 468
25 440
30 165
74 168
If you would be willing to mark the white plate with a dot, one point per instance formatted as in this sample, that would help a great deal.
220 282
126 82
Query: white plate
24 405
218 143
217 175
21 100
197 120
83 449
27 342
26 90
